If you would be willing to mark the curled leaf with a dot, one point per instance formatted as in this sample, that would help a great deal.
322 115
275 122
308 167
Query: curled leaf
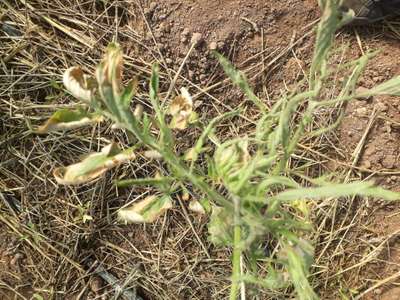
181 109
93 166
145 211
109 71
196 207
66 119
78 84
201 207
231 157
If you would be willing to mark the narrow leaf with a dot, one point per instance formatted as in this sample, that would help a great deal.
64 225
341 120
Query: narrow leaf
145 181
240 80
128 93
66 119
338 190
145 211
93 166
390 87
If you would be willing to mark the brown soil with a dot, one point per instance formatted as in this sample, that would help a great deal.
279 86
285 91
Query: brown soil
363 246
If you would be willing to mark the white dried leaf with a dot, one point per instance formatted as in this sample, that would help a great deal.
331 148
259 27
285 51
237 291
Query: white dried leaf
93 166
146 210
75 81
181 109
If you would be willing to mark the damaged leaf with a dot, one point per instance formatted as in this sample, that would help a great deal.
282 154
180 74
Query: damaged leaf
66 119
181 110
78 84
93 166
145 211
109 71
201 206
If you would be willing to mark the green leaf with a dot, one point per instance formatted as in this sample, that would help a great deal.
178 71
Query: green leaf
298 271
66 119
145 211
202 206
194 152
36 296
390 87
240 80
128 93
337 191
93 166
220 227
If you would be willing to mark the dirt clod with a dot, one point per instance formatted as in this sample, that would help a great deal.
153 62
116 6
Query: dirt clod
197 38
213 46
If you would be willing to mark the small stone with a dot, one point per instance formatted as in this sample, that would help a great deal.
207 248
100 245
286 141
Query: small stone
377 291
185 32
191 75
213 46
220 45
203 77
362 111
168 61
152 6
389 161
96 284
367 164
378 79
197 38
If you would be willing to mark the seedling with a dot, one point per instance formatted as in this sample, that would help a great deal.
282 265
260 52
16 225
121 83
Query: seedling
263 213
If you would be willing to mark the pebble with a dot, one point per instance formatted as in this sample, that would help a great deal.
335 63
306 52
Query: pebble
389 161
185 32
381 107
362 111
367 164
213 46
152 6
184 35
197 38
168 61
378 291
191 75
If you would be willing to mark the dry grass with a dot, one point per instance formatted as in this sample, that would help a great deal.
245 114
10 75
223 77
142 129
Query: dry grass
41 222
45 247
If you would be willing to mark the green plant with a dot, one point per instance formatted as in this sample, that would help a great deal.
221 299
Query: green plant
262 205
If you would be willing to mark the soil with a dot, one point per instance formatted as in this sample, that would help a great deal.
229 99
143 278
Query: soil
282 31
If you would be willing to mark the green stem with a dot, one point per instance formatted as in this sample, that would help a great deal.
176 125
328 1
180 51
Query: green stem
180 170
237 252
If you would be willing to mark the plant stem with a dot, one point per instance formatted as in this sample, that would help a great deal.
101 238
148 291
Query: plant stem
237 252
